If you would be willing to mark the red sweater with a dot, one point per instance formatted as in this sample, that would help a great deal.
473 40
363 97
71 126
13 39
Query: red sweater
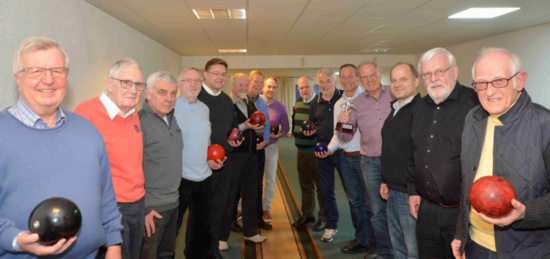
124 145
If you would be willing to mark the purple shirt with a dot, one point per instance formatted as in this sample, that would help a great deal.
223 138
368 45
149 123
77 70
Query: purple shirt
369 118
278 116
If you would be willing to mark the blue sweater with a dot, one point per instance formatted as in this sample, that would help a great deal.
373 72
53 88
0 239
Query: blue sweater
69 162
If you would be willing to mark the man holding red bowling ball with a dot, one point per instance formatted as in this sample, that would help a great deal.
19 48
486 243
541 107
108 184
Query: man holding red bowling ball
49 152
507 136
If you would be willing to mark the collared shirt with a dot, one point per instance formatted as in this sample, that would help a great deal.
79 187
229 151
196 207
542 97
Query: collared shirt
310 98
321 112
436 141
209 91
112 108
369 118
397 106
352 145
242 105
27 116
261 105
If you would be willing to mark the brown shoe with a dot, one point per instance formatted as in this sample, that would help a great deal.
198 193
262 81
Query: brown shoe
267 216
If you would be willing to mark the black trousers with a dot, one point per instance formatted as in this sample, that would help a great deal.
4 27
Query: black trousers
220 183
244 180
194 195
260 172
435 230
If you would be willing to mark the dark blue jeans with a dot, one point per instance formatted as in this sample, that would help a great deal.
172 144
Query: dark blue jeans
402 226
162 243
326 167
354 185
371 168
133 220
474 250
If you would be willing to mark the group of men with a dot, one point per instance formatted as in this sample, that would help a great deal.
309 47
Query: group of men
133 174
407 163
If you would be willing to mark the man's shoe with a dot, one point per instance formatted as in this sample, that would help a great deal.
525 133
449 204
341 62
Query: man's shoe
302 222
329 234
267 216
264 225
255 239
372 252
354 247
320 225
235 227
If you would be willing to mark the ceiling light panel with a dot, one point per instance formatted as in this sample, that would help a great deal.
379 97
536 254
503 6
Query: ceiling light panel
232 50
483 13
220 13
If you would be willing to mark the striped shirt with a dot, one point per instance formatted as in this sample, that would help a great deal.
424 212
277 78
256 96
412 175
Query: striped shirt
22 112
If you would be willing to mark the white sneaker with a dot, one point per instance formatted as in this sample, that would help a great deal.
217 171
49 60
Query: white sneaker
329 234
255 239
222 246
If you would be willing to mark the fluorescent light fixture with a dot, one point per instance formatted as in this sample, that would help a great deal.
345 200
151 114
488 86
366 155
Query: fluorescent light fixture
220 13
483 13
384 50
232 50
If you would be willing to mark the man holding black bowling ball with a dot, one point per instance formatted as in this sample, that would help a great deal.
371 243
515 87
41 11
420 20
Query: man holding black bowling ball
49 152
507 136
322 114
245 163
307 168
162 147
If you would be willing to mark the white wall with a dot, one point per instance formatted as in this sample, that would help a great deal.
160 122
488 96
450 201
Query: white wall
530 44
93 40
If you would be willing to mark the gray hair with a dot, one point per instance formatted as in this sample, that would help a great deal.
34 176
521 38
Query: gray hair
431 53
157 76
514 59
115 69
187 69
327 72
369 63
32 44
309 79
237 75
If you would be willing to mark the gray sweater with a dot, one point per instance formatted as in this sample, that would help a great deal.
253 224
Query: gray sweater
162 154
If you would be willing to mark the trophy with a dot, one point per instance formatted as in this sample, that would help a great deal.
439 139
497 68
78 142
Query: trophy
344 127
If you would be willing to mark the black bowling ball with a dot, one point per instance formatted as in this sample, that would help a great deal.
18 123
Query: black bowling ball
54 219
308 125
275 129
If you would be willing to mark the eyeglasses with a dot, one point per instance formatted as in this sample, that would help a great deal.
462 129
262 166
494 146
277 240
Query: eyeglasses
217 73
39 72
437 73
187 81
497 83
127 84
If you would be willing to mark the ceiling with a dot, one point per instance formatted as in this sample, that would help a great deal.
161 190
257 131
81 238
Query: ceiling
319 27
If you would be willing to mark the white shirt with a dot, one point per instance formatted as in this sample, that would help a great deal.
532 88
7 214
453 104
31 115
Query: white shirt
397 106
354 145
112 108
209 91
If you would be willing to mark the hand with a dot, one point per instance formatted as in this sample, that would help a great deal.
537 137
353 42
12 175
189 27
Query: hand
150 222
517 213
29 242
322 155
273 136
216 165
262 145
249 125
113 252
455 245
414 204
343 116
235 143
309 133
384 191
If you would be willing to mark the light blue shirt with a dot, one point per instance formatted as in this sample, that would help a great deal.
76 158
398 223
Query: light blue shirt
261 105
27 116
194 121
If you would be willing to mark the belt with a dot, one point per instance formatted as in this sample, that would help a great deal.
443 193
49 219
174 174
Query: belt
350 154
452 206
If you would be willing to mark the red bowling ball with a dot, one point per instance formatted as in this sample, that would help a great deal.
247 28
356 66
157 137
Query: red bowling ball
308 125
257 118
54 219
215 153
492 196
235 135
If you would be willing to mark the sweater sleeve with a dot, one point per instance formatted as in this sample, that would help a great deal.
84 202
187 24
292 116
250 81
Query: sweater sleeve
8 231
111 217
285 127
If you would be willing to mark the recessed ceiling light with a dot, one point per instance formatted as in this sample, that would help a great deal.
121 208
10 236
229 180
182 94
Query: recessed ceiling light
220 13
376 50
483 13
232 50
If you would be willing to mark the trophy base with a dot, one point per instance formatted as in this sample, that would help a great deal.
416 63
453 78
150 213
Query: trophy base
344 128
